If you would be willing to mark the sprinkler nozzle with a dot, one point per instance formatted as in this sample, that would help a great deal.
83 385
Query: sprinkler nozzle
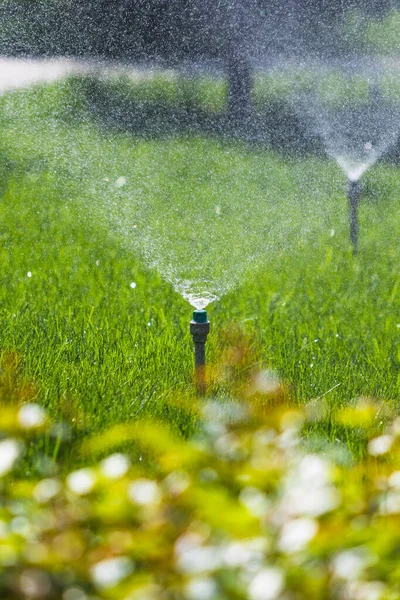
199 329
354 191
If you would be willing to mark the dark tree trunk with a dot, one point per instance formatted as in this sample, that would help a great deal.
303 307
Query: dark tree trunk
239 89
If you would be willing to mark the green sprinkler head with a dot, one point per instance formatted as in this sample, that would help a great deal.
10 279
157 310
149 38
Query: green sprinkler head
200 316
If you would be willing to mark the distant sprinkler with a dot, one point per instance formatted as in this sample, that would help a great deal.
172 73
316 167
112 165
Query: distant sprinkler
199 329
354 197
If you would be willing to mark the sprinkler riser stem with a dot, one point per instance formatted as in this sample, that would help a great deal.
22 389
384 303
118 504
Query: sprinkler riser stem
199 332
353 194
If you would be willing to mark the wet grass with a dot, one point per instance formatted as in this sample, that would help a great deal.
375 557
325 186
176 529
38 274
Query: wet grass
101 351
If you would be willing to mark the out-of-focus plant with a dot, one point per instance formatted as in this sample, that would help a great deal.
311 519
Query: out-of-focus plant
239 511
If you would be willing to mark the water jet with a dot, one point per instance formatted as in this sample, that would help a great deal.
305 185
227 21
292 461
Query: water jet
199 329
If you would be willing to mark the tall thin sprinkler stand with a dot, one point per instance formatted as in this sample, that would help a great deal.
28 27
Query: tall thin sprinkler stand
199 329
354 197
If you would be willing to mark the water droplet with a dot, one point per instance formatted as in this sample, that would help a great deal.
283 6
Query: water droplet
120 182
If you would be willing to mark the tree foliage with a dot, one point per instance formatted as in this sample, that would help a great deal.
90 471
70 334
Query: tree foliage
174 29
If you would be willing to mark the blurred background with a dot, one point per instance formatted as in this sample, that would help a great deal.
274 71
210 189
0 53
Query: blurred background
228 36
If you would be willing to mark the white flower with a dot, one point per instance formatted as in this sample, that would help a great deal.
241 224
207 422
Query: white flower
267 584
236 554
115 466
255 501
109 572
81 482
296 534
394 479
31 416
192 557
74 593
365 590
266 382
9 451
350 564
177 482
380 445
22 526
309 490
201 588
46 490
199 560
248 554
144 491
34 583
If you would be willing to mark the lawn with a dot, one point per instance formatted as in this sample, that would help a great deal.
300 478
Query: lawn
116 203
97 225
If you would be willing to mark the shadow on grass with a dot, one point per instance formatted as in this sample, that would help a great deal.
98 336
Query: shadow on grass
8 167
120 105
156 109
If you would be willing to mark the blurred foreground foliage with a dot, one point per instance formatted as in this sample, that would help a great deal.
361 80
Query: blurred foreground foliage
242 509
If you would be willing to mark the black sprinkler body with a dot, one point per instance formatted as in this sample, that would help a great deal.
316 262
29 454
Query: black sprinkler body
354 196
199 329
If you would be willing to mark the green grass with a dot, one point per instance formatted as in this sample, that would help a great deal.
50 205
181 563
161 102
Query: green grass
102 352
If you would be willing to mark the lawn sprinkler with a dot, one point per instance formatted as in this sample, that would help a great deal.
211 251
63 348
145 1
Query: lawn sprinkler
199 329
354 196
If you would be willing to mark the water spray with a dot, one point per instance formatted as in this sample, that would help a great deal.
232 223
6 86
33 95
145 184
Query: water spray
354 196
199 329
